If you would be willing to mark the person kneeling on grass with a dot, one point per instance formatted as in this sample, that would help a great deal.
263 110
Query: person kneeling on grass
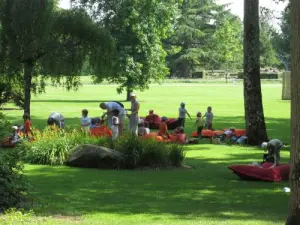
163 128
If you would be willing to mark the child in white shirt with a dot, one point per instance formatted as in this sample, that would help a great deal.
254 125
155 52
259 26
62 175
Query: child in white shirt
85 121
115 125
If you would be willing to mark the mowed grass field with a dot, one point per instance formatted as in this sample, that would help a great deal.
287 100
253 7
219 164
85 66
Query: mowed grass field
207 194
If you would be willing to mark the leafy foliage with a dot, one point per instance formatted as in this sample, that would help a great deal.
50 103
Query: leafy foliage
138 28
53 147
37 38
194 27
283 38
228 44
5 126
13 186
148 153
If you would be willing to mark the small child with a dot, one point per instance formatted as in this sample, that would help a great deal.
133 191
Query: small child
180 135
182 114
200 123
27 125
209 118
85 120
15 138
115 125
143 128
163 128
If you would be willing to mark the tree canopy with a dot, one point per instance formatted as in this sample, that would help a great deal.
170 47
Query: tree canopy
37 39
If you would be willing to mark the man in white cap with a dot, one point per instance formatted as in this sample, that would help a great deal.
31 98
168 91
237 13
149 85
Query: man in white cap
273 147
110 107
134 116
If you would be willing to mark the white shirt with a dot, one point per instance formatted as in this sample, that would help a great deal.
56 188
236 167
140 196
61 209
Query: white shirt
182 112
228 132
85 121
113 105
115 123
57 116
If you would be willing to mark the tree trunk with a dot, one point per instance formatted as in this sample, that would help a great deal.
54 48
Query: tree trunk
128 91
254 114
28 67
294 212
185 71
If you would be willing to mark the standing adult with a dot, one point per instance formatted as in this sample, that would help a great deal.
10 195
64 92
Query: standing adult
110 107
134 116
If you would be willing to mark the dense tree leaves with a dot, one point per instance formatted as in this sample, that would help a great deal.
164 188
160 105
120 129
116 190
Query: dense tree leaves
189 46
138 28
39 39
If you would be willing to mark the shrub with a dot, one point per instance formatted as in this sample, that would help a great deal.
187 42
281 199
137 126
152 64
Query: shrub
53 147
148 153
176 154
13 186
5 127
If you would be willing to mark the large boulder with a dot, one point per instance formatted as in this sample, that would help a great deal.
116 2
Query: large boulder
92 156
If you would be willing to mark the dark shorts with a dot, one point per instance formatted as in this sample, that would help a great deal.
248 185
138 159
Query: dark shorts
181 122
199 130
208 126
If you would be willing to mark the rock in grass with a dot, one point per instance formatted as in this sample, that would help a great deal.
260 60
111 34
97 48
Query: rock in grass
92 156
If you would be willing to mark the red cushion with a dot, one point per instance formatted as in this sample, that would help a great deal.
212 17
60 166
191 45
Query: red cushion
211 133
194 134
247 172
153 121
151 135
172 123
101 132
239 132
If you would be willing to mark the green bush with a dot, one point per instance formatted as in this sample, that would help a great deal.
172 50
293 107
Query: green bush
54 147
148 153
5 127
13 186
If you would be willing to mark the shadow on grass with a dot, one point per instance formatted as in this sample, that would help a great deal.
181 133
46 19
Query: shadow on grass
76 101
208 190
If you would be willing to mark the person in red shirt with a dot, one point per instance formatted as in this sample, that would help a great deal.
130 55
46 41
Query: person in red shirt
163 128
27 125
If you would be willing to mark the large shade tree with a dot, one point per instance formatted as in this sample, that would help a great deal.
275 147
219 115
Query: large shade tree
138 28
194 29
294 214
37 39
254 113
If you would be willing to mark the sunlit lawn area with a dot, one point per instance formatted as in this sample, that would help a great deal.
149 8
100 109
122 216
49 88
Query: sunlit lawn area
207 194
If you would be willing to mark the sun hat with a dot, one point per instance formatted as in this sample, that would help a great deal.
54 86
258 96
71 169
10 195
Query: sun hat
132 94
15 128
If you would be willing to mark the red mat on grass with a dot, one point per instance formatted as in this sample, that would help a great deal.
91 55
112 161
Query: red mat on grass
248 172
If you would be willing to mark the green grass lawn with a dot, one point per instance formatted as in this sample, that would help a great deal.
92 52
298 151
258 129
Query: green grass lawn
207 194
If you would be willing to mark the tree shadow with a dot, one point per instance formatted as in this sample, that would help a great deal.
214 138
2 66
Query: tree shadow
76 101
209 190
